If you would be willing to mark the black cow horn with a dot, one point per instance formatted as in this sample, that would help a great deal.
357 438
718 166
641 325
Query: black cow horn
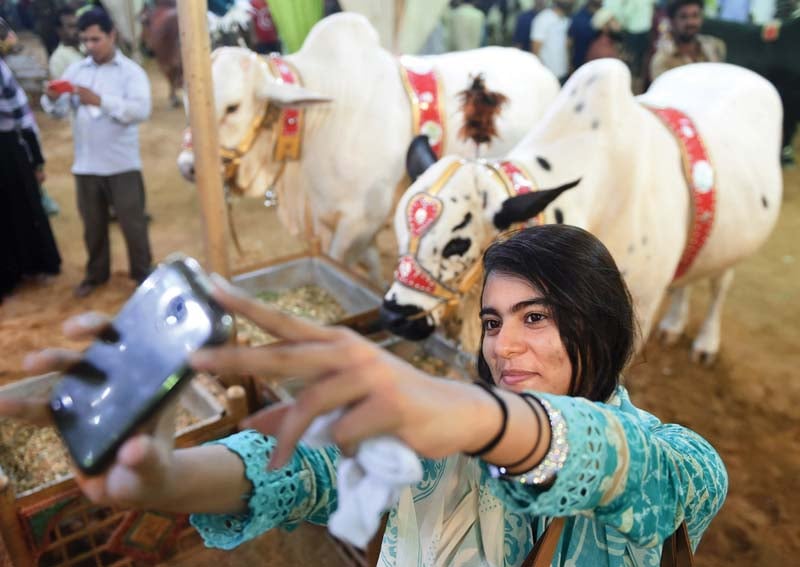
419 157
528 205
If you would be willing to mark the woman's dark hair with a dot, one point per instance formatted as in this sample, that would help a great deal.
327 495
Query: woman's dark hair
674 5
586 295
95 17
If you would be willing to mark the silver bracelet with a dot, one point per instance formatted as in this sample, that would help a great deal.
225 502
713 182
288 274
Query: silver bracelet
553 461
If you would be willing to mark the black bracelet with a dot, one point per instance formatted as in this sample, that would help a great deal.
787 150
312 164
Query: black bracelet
527 398
496 439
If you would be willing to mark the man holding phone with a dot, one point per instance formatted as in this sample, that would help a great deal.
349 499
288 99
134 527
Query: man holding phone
110 97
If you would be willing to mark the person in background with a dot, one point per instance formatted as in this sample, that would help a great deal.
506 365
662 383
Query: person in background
467 26
67 53
735 10
686 45
521 39
68 50
112 97
636 18
581 33
549 39
608 43
27 246
264 34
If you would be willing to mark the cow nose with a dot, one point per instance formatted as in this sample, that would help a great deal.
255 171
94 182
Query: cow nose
191 171
390 319
407 321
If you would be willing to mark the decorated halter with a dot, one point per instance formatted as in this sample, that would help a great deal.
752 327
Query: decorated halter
700 178
422 212
517 181
289 140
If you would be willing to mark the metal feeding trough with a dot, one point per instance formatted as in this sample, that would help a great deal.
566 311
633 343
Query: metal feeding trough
435 355
358 299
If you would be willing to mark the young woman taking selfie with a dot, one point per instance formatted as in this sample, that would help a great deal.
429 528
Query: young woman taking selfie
547 432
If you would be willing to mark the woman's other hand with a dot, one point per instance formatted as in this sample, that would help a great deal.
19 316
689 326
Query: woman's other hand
380 393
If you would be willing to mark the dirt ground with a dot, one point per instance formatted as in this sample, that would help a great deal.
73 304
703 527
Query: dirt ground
745 405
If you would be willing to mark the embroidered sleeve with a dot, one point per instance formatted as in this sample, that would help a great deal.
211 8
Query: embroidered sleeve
303 490
627 470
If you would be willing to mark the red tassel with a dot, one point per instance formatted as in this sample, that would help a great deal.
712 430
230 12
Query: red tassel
481 108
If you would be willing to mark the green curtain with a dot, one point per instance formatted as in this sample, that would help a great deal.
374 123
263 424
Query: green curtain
294 19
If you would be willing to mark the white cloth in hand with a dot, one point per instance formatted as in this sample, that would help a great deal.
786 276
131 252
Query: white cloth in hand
368 484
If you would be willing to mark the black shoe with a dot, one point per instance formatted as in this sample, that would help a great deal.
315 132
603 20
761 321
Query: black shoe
787 155
85 288
140 279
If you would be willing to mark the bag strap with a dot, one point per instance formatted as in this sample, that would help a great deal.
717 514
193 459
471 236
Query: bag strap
545 547
677 550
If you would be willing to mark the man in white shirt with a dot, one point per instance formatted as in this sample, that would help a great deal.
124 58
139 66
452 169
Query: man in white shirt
112 96
68 51
549 38
467 26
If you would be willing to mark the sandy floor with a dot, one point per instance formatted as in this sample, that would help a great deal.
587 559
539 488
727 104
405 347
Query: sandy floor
745 405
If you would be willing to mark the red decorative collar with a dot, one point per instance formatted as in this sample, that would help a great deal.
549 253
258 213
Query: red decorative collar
424 91
700 177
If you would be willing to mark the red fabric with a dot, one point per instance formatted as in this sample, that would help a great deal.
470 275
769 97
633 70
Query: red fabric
290 125
425 89
423 211
263 26
411 274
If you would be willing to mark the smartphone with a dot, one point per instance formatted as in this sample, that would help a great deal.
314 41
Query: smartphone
138 362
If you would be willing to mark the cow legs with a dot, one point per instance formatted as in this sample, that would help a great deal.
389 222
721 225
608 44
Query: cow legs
706 346
372 259
350 244
674 322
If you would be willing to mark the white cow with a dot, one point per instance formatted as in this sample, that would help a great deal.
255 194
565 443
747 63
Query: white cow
358 124
630 191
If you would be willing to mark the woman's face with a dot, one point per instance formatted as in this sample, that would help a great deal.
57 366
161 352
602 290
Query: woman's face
521 343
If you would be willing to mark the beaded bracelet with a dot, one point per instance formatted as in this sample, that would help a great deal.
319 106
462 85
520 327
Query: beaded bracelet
556 456
496 439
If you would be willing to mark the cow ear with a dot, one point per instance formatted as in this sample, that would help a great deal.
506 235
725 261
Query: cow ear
420 156
283 94
526 206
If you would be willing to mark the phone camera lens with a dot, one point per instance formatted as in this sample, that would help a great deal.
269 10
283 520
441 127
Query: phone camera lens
62 403
176 311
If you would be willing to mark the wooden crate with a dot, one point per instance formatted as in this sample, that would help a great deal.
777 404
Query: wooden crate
55 525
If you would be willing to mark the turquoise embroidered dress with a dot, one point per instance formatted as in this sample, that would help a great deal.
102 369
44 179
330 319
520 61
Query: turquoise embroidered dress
627 484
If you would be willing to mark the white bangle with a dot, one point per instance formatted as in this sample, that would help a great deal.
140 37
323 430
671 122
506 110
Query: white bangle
553 461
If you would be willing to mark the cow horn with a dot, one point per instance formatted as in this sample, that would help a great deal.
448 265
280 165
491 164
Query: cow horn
526 206
419 157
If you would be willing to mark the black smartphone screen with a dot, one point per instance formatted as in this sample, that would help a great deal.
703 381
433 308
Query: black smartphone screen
135 364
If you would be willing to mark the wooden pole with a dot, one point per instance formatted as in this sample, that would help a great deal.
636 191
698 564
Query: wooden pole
196 57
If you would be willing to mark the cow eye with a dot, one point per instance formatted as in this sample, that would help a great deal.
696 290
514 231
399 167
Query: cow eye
231 108
456 247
